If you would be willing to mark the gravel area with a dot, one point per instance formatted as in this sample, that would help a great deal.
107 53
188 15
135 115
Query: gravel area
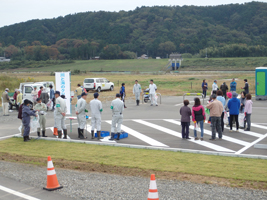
84 185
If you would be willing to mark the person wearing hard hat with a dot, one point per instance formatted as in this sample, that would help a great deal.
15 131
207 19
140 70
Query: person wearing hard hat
81 116
60 113
41 108
5 100
26 118
137 92
117 107
96 109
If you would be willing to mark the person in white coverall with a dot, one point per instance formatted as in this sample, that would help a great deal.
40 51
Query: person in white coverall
81 115
41 108
117 107
137 92
152 92
96 110
60 113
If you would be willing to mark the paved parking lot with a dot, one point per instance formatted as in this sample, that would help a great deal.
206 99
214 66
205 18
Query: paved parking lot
160 127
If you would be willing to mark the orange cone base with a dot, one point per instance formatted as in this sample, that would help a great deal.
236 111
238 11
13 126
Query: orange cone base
51 189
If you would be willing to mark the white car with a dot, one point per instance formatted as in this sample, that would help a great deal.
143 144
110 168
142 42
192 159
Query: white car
98 84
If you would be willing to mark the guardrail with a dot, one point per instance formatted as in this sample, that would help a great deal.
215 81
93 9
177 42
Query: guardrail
158 94
196 94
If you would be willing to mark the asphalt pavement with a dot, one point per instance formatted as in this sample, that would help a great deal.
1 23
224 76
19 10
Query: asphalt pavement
159 126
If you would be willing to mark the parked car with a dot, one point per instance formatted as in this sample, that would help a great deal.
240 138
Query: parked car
97 84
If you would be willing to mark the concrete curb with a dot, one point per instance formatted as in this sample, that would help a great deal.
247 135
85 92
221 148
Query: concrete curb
154 148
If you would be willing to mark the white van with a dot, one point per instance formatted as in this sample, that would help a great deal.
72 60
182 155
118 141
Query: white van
98 84
27 88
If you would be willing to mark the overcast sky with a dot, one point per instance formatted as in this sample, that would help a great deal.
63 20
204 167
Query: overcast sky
15 11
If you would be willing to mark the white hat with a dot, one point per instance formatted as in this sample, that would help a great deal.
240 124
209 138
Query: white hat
18 90
6 89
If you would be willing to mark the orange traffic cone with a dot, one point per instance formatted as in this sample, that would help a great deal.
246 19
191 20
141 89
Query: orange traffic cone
55 131
52 182
153 191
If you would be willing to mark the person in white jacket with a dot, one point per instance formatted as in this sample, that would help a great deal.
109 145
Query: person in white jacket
152 92
96 110
117 107
137 92
81 115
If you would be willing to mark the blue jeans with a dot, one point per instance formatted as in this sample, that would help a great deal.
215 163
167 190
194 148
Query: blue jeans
201 129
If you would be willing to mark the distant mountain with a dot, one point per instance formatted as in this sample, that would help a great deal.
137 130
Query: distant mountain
189 28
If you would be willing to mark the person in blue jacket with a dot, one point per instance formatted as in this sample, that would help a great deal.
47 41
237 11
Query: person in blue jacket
234 106
26 119
123 93
233 86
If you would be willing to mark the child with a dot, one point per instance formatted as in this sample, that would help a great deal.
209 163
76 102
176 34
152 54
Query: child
248 111
198 116
185 112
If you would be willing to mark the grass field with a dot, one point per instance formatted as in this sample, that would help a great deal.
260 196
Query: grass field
234 169
153 65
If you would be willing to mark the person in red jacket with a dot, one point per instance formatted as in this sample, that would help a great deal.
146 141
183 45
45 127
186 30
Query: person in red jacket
198 117
40 91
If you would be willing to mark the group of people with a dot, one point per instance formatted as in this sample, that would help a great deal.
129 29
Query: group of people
39 109
96 108
117 107
224 87
218 106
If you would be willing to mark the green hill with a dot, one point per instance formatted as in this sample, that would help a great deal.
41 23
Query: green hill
146 29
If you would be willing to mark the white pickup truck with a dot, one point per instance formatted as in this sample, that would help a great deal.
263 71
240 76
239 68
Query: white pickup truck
27 88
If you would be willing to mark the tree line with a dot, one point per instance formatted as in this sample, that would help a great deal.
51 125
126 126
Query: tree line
155 31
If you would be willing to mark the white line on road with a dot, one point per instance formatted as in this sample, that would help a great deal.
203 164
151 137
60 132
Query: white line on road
245 132
227 138
177 134
13 192
251 144
141 136
258 126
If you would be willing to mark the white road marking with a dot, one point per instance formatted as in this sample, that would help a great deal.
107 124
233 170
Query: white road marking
245 132
251 144
258 126
177 134
230 139
13 192
141 136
